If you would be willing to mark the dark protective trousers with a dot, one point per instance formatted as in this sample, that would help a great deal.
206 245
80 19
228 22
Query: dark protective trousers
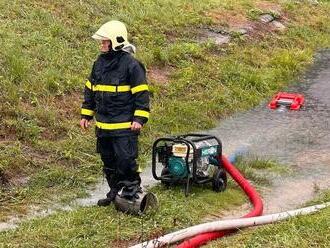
119 156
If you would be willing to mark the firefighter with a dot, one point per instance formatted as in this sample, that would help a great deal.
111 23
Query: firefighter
116 94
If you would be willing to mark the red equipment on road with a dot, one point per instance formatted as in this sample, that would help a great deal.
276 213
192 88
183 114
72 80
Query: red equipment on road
290 100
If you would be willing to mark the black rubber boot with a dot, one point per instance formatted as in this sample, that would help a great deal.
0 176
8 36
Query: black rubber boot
111 177
111 196
104 202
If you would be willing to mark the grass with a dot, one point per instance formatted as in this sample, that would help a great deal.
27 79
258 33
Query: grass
46 54
303 231
104 227
101 227
259 170
85 227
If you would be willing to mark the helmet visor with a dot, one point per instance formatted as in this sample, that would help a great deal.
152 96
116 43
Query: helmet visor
99 37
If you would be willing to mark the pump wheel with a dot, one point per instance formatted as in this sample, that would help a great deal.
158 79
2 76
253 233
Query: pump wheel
219 182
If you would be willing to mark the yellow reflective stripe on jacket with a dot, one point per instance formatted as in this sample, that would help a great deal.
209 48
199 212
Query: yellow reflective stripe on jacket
139 88
87 112
142 113
111 88
88 84
113 126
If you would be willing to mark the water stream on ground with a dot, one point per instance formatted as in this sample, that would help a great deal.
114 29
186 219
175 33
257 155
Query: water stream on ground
299 139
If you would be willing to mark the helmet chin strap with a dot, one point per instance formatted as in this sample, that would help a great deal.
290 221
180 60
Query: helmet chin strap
129 48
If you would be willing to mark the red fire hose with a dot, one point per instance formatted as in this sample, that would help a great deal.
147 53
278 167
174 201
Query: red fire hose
209 231
253 195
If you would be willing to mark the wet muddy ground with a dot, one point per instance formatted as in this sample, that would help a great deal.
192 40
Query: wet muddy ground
298 139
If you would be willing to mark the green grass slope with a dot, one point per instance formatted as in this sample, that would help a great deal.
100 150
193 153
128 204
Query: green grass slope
46 53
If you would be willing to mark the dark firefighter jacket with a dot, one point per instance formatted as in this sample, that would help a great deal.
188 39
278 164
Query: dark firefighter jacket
116 94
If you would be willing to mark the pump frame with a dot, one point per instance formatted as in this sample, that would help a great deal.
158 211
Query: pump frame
192 176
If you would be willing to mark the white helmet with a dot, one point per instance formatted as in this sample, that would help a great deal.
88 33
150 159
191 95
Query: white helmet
115 31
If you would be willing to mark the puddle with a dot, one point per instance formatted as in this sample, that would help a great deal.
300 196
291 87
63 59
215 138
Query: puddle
299 139
33 213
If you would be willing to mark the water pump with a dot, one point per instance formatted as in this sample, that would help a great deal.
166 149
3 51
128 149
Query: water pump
189 159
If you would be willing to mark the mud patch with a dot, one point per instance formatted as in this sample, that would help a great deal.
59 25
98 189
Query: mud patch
233 213
11 179
7 135
229 19
269 7
35 156
67 106
160 75
59 111
259 31
235 24
4 181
